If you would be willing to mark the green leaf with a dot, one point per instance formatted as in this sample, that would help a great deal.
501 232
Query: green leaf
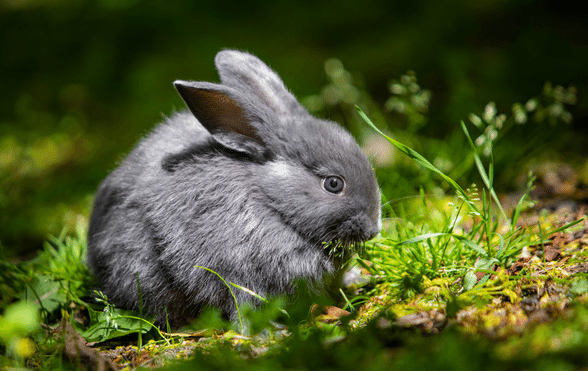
485 263
45 293
469 280
119 325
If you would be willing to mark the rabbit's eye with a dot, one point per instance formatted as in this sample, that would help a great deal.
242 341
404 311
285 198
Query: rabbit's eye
333 184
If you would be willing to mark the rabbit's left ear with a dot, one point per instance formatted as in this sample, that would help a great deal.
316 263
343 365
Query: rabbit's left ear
249 75
232 120
217 109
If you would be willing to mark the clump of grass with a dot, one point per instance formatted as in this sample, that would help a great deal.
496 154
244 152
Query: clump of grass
461 242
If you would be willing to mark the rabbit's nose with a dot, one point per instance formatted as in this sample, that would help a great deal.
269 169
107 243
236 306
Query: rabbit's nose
374 231
374 234
360 228
374 225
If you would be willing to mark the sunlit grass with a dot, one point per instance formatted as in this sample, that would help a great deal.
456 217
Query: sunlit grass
457 249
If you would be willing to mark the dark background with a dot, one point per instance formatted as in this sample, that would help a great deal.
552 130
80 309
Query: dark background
82 81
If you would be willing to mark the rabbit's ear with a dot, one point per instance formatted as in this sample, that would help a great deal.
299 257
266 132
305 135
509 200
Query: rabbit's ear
216 110
248 74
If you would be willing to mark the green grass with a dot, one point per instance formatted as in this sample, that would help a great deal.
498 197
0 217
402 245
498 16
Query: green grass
439 246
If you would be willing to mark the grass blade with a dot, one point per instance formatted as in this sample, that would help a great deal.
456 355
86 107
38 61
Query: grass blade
482 171
253 293
471 244
420 159
230 290
422 237
571 224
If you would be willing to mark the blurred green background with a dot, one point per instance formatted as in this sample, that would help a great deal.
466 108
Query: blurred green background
82 81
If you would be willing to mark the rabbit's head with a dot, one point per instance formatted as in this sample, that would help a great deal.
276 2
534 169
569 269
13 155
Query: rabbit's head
309 171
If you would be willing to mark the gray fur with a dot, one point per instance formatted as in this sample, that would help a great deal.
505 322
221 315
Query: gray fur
234 186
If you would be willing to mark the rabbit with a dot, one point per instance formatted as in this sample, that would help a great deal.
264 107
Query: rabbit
245 183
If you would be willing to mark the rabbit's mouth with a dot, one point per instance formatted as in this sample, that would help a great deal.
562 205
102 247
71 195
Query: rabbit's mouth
339 250
343 249
349 236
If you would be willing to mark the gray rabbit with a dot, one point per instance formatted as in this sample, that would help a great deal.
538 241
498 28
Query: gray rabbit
247 184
